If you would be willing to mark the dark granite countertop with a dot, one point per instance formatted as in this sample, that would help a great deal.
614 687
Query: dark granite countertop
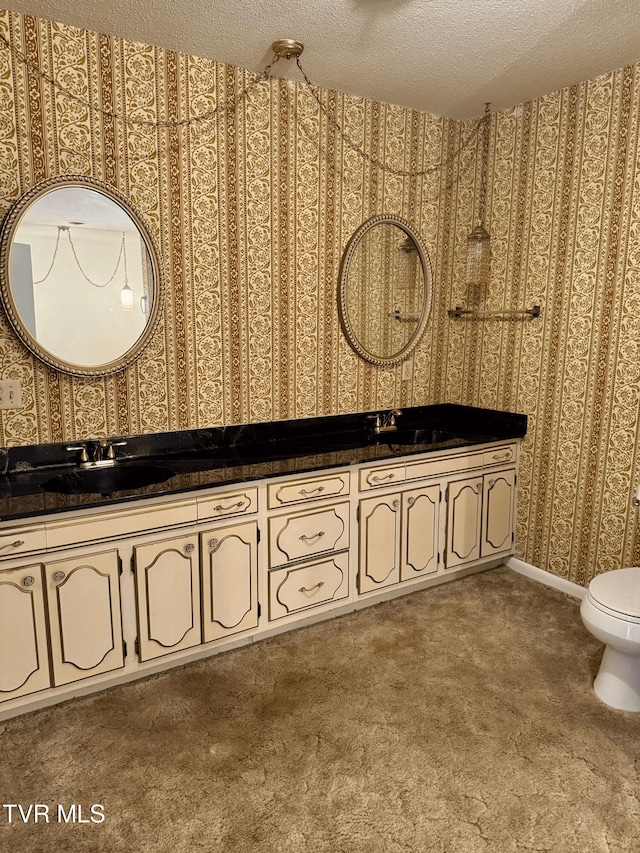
44 479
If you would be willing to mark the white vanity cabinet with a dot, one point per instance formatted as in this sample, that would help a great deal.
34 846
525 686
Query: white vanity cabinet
481 511
24 658
85 618
399 536
229 580
308 544
60 622
464 520
420 550
167 576
199 577
379 531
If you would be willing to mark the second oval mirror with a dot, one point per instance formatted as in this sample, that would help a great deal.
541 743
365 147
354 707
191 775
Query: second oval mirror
80 277
384 291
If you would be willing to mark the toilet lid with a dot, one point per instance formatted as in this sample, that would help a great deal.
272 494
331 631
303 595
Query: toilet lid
618 590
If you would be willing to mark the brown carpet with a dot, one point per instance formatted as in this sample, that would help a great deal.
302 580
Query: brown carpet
457 719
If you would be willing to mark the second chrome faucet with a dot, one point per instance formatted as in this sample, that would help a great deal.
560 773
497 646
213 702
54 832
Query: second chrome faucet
97 454
386 422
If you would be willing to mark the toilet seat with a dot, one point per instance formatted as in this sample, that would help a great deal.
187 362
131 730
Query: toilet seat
617 594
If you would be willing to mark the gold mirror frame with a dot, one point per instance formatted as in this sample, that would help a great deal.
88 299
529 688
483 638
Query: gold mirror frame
9 228
343 307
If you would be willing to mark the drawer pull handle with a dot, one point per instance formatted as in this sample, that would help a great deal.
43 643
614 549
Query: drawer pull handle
502 457
29 580
220 508
58 576
376 479
311 588
306 492
16 544
309 540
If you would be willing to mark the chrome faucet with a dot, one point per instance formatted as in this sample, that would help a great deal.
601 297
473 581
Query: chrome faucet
100 454
386 422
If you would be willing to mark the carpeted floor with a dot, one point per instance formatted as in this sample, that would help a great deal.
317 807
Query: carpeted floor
457 719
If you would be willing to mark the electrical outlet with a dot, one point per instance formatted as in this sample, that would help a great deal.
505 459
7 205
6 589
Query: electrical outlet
10 394
407 370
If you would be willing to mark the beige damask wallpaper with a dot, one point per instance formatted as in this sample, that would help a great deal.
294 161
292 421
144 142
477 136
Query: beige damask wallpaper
252 209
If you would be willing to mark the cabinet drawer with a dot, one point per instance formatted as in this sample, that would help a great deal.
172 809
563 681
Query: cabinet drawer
241 502
296 588
500 454
119 523
20 540
447 465
281 494
305 534
381 475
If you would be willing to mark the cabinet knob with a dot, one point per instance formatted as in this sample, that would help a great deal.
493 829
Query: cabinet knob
29 580
189 548
395 504
411 501
58 576
213 544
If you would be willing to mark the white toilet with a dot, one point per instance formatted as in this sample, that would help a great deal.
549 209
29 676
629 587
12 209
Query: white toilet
611 611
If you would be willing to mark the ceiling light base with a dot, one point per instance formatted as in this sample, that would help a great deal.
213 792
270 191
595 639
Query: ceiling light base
287 48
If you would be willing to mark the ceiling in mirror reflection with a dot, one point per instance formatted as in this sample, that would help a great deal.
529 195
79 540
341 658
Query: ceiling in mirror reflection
80 276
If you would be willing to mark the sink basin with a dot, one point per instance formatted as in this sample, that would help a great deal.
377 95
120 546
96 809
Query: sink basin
414 435
104 481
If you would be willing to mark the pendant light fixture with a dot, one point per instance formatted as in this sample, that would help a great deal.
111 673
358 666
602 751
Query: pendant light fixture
479 241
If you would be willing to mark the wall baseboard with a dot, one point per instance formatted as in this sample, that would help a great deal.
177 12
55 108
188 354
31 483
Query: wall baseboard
546 578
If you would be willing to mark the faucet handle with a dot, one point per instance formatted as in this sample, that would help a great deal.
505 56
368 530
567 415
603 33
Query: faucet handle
111 454
84 456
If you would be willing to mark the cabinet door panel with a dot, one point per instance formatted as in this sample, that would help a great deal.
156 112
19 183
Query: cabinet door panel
464 517
24 664
379 542
421 522
168 596
229 580
83 595
498 511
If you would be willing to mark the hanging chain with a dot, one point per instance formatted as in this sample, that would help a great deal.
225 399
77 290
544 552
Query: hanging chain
232 104
121 255
53 259
139 122
371 158
485 123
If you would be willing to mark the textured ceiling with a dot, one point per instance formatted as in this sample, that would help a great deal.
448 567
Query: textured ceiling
446 57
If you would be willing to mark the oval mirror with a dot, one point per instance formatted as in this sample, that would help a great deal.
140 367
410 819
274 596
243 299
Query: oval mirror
80 278
384 290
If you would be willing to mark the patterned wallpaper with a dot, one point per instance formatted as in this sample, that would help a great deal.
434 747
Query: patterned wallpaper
564 199
252 209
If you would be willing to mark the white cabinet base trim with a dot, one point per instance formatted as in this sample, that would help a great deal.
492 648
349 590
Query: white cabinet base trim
536 574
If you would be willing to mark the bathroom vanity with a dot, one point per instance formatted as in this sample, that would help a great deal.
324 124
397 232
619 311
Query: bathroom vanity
196 542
